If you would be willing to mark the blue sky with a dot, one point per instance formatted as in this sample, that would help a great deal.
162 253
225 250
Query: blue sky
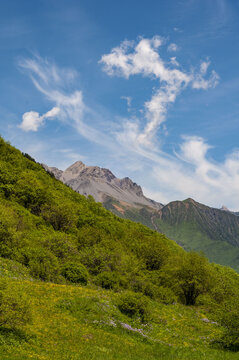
148 89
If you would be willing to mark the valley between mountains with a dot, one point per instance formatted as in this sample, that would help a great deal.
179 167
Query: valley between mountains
192 225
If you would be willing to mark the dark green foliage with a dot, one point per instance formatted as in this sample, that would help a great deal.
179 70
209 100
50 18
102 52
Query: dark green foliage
188 276
6 241
75 272
230 321
59 216
41 262
154 253
134 305
30 192
194 277
108 280
61 245
29 157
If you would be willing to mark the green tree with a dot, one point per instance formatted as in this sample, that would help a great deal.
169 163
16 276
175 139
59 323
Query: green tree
194 277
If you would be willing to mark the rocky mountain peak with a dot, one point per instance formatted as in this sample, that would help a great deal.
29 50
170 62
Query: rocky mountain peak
76 168
98 173
127 183
101 183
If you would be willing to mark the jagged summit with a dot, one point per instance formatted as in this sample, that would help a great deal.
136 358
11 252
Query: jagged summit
101 183
76 167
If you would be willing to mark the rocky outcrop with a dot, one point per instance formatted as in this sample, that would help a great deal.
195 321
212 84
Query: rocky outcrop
101 183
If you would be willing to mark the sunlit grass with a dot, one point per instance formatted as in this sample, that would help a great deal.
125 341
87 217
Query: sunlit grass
73 322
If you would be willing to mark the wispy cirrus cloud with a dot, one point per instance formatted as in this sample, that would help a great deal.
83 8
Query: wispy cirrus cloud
58 86
173 47
192 173
142 57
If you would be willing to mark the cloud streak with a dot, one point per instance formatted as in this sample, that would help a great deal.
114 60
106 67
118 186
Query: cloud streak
142 57
58 86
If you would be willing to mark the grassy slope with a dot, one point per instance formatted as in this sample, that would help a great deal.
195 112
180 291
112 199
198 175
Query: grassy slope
73 322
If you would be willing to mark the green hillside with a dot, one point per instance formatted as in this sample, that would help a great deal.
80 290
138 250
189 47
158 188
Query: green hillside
78 282
192 225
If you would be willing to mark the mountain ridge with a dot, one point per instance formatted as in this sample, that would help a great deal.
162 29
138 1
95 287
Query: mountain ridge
193 225
101 183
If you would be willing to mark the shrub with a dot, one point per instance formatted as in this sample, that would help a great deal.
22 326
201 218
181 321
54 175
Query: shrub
41 262
108 280
76 273
228 317
134 305
101 258
153 252
166 295
6 241
59 216
30 192
61 245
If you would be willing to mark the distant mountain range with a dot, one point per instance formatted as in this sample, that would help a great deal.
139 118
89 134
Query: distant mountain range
192 225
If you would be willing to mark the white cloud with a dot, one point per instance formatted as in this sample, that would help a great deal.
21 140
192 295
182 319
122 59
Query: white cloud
192 174
200 82
173 47
128 100
54 83
31 120
174 61
143 58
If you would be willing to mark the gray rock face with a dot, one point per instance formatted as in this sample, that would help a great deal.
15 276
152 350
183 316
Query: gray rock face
101 184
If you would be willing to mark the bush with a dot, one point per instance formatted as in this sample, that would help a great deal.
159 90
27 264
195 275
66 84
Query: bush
41 262
76 273
6 241
228 317
153 252
30 192
60 217
101 258
14 307
108 280
166 295
61 245
134 305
